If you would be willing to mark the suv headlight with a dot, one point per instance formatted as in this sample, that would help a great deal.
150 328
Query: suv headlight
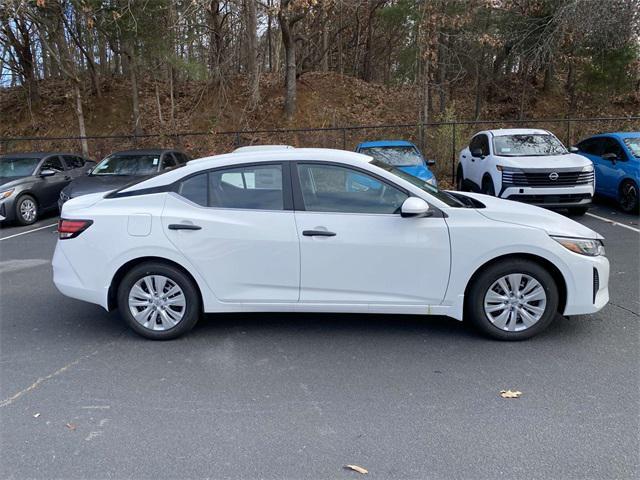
583 246
6 193
588 168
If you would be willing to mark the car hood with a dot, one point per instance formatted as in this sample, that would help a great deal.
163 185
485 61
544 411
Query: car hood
530 216
98 183
82 201
418 171
8 182
565 162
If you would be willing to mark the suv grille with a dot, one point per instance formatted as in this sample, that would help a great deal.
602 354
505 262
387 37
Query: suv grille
546 179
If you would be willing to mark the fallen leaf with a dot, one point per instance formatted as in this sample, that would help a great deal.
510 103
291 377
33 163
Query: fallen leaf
36 415
71 426
510 394
356 468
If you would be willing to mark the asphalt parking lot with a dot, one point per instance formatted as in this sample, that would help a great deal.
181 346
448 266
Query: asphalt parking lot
299 396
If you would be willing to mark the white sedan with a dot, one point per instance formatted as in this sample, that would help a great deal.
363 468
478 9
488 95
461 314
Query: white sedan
318 230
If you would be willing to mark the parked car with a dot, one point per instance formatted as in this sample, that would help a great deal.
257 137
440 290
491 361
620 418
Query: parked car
401 154
616 157
30 183
121 168
280 231
526 165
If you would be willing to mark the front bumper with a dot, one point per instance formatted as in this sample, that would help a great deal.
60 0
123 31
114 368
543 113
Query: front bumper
589 291
579 196
7 209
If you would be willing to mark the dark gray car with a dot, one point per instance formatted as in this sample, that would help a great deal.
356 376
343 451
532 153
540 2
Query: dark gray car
30 183
122 168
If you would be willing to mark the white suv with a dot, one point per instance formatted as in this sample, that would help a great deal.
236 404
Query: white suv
527 165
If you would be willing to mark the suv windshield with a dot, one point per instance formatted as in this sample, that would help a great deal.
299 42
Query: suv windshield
17 167
128 165
397 156
633 144
421 184
527 145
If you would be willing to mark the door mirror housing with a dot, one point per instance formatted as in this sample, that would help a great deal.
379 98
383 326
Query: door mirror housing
612 157
431 163
574 149
477 152
415 207
47 172
89 170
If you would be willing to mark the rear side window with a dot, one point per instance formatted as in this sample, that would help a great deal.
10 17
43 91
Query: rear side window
195 189
252 187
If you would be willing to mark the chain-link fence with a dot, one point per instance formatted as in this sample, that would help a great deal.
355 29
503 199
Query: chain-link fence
440 141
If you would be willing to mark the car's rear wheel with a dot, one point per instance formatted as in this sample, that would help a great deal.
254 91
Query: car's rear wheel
512 300
628 197
26 210
158 301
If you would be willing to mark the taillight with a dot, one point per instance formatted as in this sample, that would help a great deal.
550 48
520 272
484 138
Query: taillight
72 228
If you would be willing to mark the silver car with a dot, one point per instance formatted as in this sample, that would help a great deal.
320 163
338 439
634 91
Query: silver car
30 183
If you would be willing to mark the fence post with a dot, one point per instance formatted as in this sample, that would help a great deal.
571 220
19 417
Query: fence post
453 154
344 138
421 136
237 139
568 134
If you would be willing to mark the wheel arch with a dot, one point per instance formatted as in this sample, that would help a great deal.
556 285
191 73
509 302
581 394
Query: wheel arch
112 295
555 272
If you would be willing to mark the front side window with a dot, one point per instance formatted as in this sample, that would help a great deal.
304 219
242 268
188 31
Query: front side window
52 163
143 164
611 145
17 166
403 156
168 161
527 145
591 146
330 188
73 162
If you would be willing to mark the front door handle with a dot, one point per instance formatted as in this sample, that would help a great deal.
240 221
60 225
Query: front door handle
318 233
184 226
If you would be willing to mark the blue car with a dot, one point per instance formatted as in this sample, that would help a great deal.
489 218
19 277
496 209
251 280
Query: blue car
616 159
401 154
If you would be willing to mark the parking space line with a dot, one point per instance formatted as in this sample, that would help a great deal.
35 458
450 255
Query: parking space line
613 222
28 231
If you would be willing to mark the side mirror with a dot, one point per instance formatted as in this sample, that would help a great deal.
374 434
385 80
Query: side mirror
612 157
415 207
574 149
431 163
477 152
47 172
89 170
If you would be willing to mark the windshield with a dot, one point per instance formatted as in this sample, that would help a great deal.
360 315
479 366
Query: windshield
633 144
17 167
128 165
397 156
421 184
528 145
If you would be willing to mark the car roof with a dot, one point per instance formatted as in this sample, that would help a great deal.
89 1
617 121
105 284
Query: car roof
147 151
37 154
499 132
261 148
386 143
617 134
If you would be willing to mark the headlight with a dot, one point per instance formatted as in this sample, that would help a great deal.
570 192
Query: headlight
588 168
6 194
583 246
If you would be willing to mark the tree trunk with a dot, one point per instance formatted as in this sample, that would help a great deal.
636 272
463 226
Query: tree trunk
251 29
80 115
286 27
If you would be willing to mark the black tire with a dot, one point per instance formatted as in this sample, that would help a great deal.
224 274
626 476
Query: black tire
487 187
578 211
192 308
22 217
628 197
460 179
474 302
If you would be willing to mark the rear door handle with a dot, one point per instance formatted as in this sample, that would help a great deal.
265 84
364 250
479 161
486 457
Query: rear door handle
318 233
184 226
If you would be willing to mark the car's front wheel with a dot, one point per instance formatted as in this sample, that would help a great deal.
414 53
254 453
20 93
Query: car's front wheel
512 300
26 210
628 197
487 186
158 301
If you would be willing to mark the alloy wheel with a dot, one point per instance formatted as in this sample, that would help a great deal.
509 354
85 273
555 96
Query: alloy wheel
28 210
157 302
515 302
628 197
